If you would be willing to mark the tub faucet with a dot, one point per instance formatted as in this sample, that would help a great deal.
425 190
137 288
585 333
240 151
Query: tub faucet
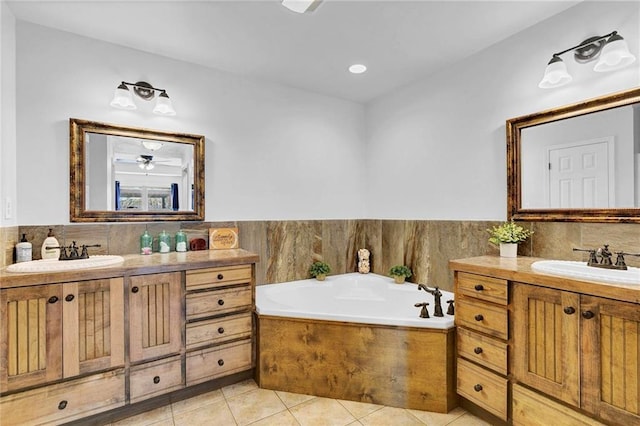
437 295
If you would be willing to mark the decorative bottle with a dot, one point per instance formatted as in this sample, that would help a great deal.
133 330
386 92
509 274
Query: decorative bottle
164 242
181 241
146 242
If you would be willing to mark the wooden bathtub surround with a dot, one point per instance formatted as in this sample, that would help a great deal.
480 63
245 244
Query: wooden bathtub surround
573 346
397 366
81 343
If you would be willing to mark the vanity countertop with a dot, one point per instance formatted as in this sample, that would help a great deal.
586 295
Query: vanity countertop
134 264
519 269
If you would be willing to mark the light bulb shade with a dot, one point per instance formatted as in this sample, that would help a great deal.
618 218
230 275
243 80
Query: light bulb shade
122 98
152 145
301 6
555 75
615 55
164 105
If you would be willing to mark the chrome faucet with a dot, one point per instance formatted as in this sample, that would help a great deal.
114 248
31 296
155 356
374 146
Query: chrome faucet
601 258
437 295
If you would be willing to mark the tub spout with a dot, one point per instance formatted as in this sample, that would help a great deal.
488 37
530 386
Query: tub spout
437 295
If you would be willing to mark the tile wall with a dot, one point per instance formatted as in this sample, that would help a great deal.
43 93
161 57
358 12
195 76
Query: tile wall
287 248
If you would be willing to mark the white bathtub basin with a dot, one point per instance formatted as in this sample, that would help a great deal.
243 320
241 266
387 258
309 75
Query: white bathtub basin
55 265
574 269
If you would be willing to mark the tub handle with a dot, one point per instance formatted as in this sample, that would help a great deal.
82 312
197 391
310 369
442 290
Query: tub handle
220 302
478 317
477 387
477 350
479 287
220 330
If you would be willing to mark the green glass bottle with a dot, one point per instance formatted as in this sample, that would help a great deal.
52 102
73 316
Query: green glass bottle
164 242
146 242
181 241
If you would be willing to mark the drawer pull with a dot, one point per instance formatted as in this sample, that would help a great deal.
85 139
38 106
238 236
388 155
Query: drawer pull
477 387
220 276
220 330
478 317
62 405
569 310
220 362
69 297
53 299
156 380
220 302
479 287
477 350
588 315
135 289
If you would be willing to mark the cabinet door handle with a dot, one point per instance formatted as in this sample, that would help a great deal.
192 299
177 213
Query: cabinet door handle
134 289
477 350
69 297
588 315
477 387
53 299
569 310
62 405
220 276
220 302
478 317
221 362
156 380
220 330
479 287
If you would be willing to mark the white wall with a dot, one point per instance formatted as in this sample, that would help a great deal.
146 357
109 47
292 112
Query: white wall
272 152
437 147
8 188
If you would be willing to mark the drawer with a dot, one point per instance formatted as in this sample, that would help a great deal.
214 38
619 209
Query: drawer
155 378
483 388
209 303
483 317
218 330
207 364
64 402
481 287
487 351
212 277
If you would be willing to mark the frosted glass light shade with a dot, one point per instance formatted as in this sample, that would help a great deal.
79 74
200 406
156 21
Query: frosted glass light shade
301 6
122 98
555 75
615 55
164 105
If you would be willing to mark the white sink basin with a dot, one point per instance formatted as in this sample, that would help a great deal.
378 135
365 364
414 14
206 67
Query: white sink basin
574 269
55 265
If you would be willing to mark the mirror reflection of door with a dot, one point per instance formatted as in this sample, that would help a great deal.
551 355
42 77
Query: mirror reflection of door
580 174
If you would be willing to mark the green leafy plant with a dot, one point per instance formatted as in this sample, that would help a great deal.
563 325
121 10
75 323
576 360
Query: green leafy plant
319 268
508 232
400 271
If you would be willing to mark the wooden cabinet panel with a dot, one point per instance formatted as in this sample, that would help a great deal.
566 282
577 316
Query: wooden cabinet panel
545 341
483 350
215 277
155 378
207 364
486 288
484 317
210 303
483 388
155 303
30 336
64 402
218 330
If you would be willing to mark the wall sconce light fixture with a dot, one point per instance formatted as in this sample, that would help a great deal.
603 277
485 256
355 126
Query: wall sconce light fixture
122 98
301 6
610 49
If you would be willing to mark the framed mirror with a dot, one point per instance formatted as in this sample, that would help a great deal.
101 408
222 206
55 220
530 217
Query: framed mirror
576 163
124 174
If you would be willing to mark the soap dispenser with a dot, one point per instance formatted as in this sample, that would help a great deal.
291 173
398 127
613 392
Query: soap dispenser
50 241
24 250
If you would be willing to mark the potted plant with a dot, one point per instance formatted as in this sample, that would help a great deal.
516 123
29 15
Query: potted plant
319 270
508 235
400 273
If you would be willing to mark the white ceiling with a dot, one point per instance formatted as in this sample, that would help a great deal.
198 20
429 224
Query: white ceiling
399 41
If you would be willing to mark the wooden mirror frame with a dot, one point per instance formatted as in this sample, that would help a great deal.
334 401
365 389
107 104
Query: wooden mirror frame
514 128
78 212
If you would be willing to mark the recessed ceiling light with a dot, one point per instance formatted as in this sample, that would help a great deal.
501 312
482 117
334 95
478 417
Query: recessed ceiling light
357 68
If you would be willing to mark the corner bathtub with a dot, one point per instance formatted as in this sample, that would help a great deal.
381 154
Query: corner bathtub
356 337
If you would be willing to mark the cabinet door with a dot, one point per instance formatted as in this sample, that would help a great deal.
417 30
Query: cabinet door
545 341
156 322
93 318
611 359
30 336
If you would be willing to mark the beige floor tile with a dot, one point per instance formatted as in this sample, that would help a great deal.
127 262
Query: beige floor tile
283 418
159 416
255 405
322 411
359 409
216 413
293 399
438 419
388 416
468 420
196 401
238 388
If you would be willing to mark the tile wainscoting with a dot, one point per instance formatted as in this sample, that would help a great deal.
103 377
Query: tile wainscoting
287 248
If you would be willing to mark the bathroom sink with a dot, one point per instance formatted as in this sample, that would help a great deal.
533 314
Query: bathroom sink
574 269
55 265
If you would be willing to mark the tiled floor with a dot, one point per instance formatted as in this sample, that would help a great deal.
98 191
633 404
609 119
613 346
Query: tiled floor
245 404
